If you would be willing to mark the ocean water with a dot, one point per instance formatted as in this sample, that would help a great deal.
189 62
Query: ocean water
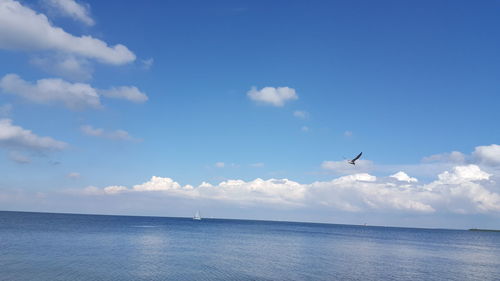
41 246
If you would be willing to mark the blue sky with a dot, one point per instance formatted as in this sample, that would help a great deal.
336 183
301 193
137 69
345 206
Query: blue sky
412 84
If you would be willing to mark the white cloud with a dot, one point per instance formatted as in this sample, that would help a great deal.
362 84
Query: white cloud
19 157
258 190
114 189
305 129
462 174
90 131
158 184
74 175
147 64
67 66
347 134
257 165
452 157
92 190
5 109
15 137
363 192
98 132
125 92
488 155
402 176
52 90
21 28
272 96
220 164
301 114
71 8
76 96
465 189
357 177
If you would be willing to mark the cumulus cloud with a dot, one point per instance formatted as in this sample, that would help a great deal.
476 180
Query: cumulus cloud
402 176
113 135
76 96
272 96
488 155
21 28
258 190
364 192
159 184
462 174
464 189
16 137
70 8
220 164
125 92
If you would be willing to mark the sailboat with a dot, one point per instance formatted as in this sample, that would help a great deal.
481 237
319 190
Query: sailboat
197 216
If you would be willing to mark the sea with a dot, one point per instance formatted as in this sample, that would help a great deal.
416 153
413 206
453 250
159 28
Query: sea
46 246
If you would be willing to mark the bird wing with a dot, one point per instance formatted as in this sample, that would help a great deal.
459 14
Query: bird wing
357 157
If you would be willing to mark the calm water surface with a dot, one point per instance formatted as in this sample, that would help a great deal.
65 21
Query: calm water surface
40 246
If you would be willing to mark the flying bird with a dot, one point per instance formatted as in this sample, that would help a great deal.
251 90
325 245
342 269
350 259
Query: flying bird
353 161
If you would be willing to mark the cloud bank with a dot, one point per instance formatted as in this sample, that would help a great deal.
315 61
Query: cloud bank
462 190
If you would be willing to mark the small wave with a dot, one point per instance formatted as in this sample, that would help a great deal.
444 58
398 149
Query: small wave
144 225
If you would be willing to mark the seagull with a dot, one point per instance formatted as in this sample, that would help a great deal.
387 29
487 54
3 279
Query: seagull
353 161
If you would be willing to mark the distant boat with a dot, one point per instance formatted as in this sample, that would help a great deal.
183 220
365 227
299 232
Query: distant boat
197 216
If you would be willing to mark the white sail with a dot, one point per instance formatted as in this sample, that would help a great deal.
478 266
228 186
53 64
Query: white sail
197 216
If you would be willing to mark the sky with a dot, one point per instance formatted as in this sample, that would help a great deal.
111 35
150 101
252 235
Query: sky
248 109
